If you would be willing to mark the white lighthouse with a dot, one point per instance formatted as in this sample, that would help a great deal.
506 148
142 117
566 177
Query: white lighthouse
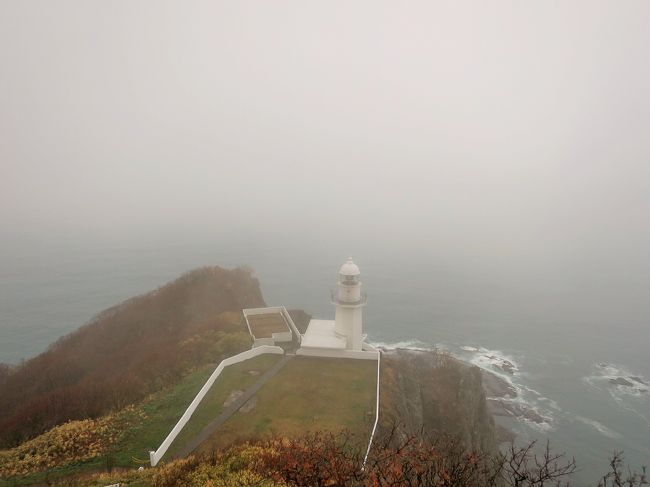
343 336
349 301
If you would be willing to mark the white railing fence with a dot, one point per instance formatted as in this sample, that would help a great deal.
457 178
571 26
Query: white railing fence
155 456
374 428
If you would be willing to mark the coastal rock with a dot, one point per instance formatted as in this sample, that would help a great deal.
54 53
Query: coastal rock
500 400
500 407
620 381
503 364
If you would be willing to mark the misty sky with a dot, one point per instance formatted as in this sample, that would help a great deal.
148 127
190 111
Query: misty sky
505 130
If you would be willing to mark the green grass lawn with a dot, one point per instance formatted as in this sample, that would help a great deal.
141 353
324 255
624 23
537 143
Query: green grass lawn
308 394
234 377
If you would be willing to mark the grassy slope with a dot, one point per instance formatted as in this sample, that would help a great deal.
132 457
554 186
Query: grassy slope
162 414
163 410
234 377
307 394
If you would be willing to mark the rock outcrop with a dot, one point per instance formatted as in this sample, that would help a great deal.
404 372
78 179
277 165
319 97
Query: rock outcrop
431 393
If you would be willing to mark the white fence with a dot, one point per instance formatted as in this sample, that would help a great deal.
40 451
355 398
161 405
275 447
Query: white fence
374 428
155 456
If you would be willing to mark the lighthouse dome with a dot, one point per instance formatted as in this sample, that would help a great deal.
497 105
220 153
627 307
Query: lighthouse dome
349 268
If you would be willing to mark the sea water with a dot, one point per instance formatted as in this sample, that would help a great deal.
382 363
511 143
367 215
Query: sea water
564 345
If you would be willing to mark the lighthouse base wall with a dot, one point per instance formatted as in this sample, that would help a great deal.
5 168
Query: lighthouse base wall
333 353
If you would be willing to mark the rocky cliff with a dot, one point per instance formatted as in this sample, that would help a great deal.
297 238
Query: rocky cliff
431 393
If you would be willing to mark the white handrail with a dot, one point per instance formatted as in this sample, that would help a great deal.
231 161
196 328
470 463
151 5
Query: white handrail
292 325
374 428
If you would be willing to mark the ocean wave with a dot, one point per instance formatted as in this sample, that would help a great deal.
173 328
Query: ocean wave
550 402
600 427
495 361
407 344
627 389
545 427
618 380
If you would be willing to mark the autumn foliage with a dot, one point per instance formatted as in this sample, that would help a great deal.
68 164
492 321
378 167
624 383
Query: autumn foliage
74 441
326 459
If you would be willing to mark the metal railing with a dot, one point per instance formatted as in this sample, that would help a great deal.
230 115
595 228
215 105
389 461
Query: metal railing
334 298
374 428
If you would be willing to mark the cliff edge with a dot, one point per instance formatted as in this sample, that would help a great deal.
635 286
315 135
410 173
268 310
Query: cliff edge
431 393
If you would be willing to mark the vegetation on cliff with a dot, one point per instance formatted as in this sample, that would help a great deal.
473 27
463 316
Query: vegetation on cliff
127 352
71 442
325 459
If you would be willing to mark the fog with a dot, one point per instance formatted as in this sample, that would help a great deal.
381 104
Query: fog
508 135
487 165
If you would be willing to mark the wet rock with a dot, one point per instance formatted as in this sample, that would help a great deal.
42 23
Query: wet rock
620 381
503 364
499 407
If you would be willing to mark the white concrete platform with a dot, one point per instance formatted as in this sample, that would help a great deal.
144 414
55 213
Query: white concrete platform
337 353
321 334
321 340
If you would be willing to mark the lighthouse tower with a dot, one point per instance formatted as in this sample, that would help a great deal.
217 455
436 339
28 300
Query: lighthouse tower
349 302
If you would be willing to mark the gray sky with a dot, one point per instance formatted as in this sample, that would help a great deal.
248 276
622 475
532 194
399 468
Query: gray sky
503 129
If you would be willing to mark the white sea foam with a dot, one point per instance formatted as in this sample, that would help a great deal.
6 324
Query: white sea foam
508 369
600 427
550 402
495 361
545 427
626 397
504 366
605 373
407 344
